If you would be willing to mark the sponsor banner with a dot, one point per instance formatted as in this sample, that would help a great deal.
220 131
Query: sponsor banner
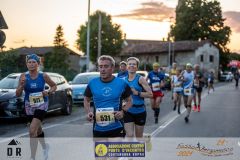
149 148
119 149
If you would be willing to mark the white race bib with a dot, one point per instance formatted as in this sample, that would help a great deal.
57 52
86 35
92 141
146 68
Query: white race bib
188 91
177 89
156 86
36 99
105 116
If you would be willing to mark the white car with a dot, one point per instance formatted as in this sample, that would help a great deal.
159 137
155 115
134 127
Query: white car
143 73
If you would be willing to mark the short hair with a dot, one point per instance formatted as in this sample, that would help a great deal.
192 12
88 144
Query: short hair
106 57
155 64
123 62
134 58
189 64
196 65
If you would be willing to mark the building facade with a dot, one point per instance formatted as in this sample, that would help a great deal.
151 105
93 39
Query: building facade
203 53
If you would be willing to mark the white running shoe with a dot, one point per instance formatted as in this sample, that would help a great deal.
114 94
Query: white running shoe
45 152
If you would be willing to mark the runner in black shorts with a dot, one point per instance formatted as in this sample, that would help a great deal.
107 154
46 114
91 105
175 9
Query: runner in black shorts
135 118
36 101
107 92
198 86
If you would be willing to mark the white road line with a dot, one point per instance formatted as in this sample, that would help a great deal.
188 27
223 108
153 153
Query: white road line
47 127
153 134
170 120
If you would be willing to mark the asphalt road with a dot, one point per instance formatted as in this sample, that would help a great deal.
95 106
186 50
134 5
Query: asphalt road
219 117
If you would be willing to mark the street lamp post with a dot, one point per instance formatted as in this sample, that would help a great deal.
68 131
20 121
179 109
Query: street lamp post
88 37
169 45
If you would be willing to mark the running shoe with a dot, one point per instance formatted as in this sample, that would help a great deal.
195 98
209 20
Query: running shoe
195 108
186 119
198 108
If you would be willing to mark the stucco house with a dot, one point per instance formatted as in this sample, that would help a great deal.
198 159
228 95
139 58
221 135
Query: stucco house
204 53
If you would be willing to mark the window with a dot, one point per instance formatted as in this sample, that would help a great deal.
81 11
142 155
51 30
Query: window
156 59
211 58
201 58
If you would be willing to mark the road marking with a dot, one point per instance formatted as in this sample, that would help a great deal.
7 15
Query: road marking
47 127
170 119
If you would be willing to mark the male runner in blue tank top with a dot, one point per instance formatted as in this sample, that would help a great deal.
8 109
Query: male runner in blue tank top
156 79
135 117
36 101
107 93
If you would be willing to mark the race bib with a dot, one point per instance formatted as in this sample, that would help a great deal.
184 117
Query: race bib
177 89
196 83
188 91
36 99
155 86
105 116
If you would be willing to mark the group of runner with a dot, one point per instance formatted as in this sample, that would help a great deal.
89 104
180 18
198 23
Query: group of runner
119 109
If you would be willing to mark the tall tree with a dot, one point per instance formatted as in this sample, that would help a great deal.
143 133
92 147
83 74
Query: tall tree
201 20
111 36
59 40
56 60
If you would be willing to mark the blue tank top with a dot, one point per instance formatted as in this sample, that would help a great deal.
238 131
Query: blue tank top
155 79
190 79
34 85
138 102
122 74
107 98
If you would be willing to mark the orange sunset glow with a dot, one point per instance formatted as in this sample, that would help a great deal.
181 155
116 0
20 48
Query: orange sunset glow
34 22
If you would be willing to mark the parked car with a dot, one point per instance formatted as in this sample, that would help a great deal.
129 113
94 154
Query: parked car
80 83
143 73
226 76
13 107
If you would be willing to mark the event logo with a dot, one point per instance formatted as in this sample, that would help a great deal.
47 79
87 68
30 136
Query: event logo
220 150
119 149
14 150
101 150
107 91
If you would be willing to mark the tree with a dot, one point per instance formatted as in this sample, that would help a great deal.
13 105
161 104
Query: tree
56 61
10 62
59 37
201 20
111 36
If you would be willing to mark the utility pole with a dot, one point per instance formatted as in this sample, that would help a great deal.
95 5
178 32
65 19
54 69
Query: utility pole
88 38
99 34
169 44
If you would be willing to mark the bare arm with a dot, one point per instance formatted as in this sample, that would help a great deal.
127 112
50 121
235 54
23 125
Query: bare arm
148 92
21 85
86 102
49 81
128 103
